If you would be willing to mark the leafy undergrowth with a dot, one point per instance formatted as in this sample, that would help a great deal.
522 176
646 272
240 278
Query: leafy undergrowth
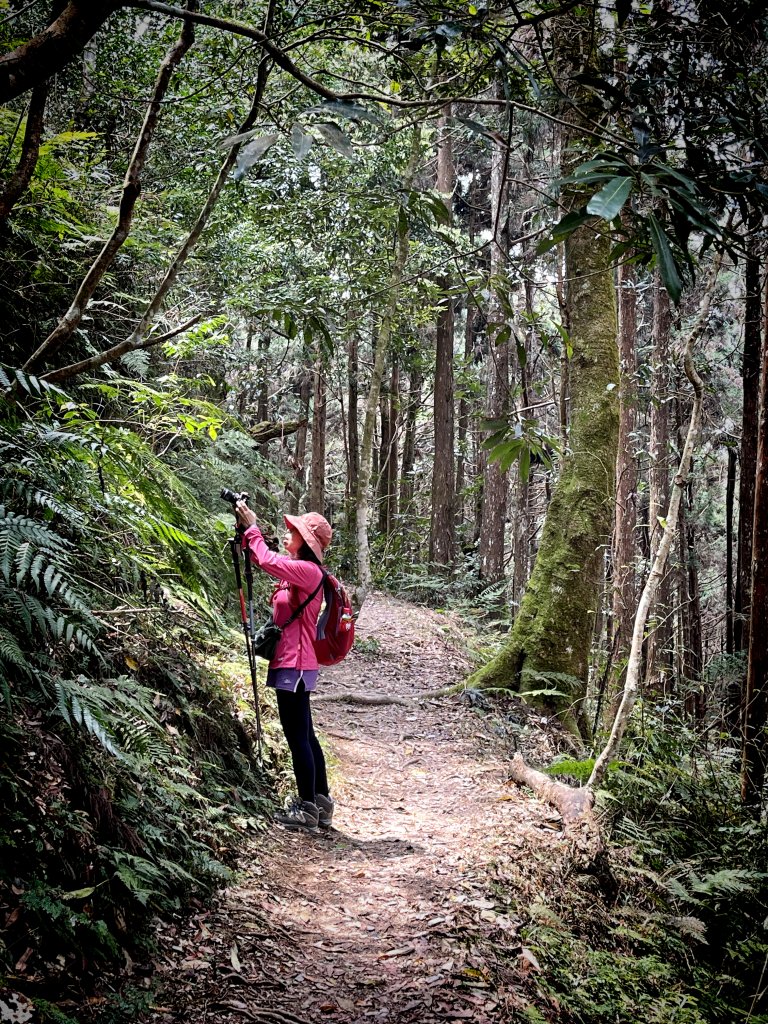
131 801
128 774
682 938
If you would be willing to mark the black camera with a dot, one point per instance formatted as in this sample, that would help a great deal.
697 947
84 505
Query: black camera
234 496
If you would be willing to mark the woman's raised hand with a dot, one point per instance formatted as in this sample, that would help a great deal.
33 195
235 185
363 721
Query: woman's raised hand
245 516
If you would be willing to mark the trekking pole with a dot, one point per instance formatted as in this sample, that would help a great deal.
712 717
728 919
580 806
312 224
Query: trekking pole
247 620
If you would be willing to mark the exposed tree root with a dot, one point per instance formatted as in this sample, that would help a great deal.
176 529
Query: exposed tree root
276 1016
576 809
364 698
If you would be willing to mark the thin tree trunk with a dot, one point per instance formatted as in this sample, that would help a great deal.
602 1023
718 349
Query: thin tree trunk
750 375
624 586
353 444
415 383
753 754
634 664
383 338
730 490
658 670
298 485
316 498
30 149
463 417
131 190
442 539
496 482
392 452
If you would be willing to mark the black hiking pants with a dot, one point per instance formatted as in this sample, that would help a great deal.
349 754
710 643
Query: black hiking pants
306 752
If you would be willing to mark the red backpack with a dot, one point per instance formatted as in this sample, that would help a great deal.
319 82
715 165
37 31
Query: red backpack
336 625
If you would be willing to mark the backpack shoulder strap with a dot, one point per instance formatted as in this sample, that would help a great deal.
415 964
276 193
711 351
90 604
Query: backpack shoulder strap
304 603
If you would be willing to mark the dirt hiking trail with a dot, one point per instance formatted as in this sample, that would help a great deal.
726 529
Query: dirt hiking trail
407 909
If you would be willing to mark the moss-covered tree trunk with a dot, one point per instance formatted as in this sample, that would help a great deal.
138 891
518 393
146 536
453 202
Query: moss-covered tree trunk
548 646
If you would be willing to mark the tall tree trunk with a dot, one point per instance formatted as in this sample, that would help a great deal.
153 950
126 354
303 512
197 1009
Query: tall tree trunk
30 148
383 337
392 452
495 482
415 383
624 585
353 443
442 538
659 644
463 417
385 436
755 714
634 664
297 486
750 376
316 497
549 644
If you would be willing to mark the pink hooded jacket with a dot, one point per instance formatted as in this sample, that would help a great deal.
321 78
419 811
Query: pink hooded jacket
297 644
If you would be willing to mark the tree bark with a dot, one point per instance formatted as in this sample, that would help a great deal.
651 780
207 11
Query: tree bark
415 383
634 664
624 585
750 375
30 149
36 61
548 647
131 191
298 485
658 671
442 538
493 520
383 337
353 442
755 716
316 498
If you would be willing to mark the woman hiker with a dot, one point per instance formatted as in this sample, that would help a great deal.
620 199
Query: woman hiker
293 670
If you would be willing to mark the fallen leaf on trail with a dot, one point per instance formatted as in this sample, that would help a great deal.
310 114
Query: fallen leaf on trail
529 956
398 952
234 959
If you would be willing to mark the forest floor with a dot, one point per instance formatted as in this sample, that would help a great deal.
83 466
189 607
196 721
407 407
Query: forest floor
409 909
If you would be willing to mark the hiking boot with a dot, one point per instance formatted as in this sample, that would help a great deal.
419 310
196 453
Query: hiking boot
299 814
325 806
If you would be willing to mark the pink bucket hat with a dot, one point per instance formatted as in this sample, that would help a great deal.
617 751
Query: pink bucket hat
314 529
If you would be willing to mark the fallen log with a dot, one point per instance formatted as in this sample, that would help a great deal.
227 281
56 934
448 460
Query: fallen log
576 808
266 430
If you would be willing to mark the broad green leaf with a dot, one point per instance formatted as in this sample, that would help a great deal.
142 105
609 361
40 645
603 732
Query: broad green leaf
562 229
252 153
666 261
301 142
234 140
335 137
351 110
78 894
609 200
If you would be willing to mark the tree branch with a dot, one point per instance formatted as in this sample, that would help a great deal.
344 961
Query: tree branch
114 353
131 191
136 340
30 150
40 58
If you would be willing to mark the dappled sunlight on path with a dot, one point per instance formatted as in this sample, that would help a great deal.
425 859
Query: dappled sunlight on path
405 910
